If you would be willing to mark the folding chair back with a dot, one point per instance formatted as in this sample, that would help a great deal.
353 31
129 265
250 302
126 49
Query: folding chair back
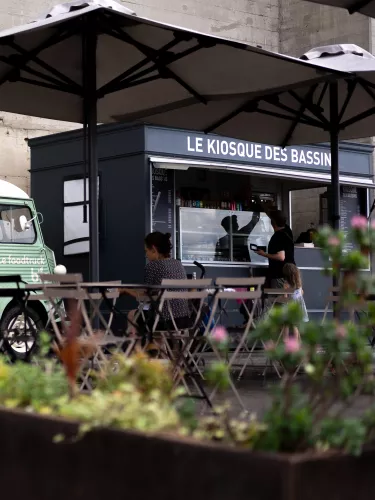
197 284
195 299
248 295
240 282
177 342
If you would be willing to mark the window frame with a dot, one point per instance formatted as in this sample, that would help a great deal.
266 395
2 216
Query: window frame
17 207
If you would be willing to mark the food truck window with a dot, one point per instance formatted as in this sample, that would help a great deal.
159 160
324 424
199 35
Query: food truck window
10 228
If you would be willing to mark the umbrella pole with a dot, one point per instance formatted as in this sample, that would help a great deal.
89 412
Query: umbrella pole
335 172
90 107
334 137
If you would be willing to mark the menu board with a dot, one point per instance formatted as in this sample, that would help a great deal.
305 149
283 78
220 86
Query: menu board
163 213
349 206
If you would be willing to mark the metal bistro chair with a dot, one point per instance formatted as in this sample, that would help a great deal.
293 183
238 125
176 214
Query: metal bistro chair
201 311
354 311
333 300
105 343
245 297
277 297
58 288
56 307
239 334
183 337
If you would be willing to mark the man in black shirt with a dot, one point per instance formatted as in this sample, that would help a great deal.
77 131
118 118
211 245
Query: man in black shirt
280 250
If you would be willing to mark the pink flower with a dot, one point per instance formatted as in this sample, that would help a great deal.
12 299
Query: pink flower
219 334
269 346
292 344
333 241
359 222
341 332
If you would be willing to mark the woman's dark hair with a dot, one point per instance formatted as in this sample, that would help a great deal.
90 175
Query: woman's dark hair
161 241
278 219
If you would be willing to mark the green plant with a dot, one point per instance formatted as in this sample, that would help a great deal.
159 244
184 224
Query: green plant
32 386
315 415
218 372
138 392
242 432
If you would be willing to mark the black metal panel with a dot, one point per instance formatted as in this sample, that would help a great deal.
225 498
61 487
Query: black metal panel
61 150
124 193
316 289
126 184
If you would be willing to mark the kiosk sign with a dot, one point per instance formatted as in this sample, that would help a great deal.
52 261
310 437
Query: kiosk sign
208 146
354 159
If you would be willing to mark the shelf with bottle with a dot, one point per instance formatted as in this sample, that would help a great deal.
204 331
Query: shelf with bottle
225 204
216 205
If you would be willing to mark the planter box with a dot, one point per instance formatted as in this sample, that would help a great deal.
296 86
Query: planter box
115 465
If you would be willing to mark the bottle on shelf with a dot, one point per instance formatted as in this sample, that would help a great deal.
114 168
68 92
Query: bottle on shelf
178 199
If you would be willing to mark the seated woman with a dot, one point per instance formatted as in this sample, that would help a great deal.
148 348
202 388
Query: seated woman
162 266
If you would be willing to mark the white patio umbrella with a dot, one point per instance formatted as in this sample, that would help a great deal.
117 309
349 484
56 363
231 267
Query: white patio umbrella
91 61
320 112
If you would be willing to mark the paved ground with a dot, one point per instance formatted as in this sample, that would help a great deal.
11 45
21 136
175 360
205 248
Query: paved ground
256 397
256 392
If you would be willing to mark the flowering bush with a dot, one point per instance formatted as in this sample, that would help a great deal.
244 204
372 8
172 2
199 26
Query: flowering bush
137 393
313 415
218 373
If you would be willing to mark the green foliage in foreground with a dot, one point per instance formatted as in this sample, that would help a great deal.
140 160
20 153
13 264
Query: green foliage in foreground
138 393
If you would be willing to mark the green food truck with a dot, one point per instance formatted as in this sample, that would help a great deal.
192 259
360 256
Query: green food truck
23 253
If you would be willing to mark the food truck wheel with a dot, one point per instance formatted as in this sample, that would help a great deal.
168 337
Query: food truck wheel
12 327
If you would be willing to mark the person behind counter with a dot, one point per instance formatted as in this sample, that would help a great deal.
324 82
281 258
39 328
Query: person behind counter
280 250
269 208
287 228
161 266
239 238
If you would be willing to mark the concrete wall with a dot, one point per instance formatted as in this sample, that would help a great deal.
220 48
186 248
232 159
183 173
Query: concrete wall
305 209
16 129
252 21
305 25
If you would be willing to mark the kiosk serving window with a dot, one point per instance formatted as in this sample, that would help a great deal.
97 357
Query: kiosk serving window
220 216
211 235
